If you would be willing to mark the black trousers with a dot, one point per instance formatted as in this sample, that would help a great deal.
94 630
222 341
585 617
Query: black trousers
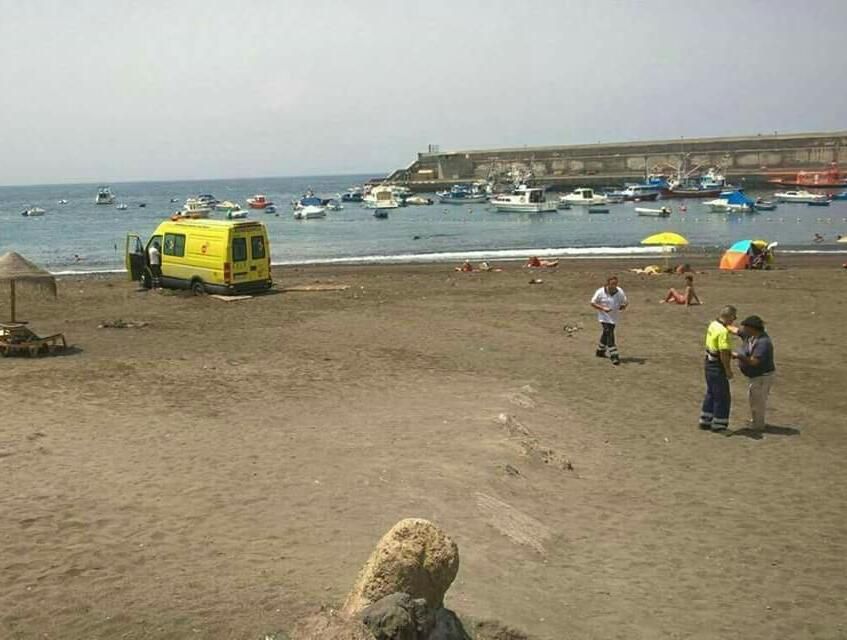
607 340
718 399
156 270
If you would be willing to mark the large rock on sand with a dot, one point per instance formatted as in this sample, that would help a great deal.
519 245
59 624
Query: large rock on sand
398 617
415 557
328 625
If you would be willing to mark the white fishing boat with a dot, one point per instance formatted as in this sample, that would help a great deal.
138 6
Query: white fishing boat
664 212
227 206
381 197
122 207
802 196
419 200
523 199
194 208
310 212
584 196
63 201
104 196
33 212
237 214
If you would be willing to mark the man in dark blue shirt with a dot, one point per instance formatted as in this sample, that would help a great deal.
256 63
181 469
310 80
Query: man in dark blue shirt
755 359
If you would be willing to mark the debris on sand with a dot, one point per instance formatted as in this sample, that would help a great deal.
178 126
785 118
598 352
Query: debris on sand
121 324
571 329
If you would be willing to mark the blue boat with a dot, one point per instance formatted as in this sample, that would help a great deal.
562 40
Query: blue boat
462 194
735 201
840 196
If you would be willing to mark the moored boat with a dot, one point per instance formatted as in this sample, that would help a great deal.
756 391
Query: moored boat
731 202
584 196
764 205
258 201
800 196
226 206
462 194
523 200
122 207
381 214
598 209
193 209
33 212
104 196
310 212
818 203
839 196
664 212
706 185
641 192
353 194
419 200
381 197
825 179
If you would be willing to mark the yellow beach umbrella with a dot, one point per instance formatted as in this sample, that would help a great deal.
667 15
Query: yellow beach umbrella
665 239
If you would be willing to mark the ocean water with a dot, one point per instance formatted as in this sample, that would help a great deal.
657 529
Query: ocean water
424 233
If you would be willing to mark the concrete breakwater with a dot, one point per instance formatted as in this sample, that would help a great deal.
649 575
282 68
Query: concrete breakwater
751 160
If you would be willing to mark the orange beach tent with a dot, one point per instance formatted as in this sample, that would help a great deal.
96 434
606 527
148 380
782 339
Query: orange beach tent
740 255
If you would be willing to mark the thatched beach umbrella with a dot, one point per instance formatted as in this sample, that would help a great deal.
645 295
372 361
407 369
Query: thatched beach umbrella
14 269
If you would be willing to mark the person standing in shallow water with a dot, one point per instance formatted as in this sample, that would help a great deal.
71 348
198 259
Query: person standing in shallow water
609 301
717 402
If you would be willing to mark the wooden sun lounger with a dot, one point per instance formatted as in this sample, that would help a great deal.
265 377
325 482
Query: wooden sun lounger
19 339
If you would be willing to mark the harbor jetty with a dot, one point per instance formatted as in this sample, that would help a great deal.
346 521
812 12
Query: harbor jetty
750 160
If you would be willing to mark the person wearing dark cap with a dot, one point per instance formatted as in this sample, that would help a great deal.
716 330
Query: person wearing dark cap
755 359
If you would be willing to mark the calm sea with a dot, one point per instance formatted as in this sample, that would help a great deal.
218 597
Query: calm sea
439 232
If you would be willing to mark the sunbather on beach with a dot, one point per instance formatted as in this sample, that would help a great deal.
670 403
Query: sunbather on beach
535 263
688 296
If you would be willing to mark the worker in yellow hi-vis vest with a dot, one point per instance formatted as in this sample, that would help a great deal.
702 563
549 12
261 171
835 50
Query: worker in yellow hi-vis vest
718 365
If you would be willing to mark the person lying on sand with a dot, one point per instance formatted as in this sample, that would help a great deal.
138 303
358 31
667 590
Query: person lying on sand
651 269
466 267
535 263
688 296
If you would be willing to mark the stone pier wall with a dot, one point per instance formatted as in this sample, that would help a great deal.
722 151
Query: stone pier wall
753 158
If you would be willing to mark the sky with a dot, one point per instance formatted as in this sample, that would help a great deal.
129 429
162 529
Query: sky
120 90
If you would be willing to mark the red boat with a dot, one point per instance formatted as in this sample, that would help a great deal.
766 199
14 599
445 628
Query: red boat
258 201
830 178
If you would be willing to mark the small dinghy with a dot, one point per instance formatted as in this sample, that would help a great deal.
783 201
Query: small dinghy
664 212
598 209
381 214
32 212
818 203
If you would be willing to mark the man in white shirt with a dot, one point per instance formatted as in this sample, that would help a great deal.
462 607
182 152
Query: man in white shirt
155 257
609 302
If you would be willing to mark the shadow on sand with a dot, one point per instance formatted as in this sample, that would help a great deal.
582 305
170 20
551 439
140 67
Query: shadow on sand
771 429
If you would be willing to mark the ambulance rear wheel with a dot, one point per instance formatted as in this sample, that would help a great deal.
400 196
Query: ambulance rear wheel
197 288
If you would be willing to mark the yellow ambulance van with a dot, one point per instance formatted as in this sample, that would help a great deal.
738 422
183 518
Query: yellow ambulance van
205 256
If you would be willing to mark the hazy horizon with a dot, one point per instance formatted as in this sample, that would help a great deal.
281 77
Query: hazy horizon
123 92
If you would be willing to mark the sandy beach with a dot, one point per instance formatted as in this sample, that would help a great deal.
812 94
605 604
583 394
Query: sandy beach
227 468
